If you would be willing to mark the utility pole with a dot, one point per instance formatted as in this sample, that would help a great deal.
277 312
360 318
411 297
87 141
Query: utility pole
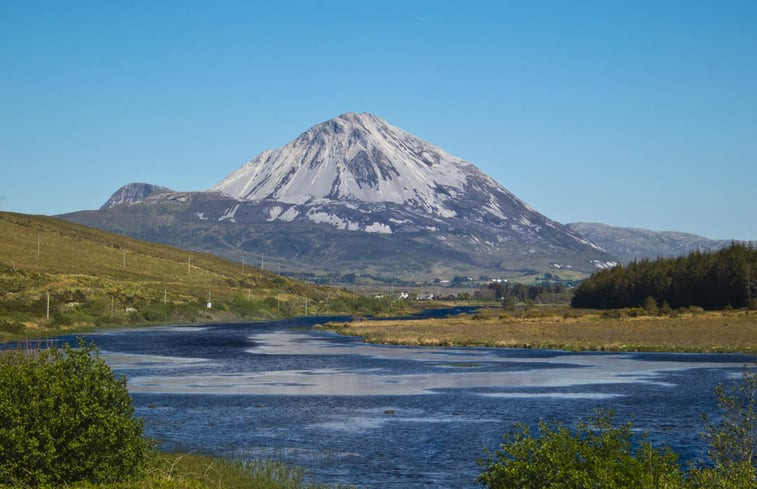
243 262
165 296
262 262
189 265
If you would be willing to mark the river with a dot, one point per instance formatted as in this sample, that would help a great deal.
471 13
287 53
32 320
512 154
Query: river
388 416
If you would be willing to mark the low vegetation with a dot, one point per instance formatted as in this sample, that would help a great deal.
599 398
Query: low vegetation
691 330
67 421
64 418
56 276
599 454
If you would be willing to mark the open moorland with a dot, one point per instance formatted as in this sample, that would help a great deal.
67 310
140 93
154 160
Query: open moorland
570 329
56 277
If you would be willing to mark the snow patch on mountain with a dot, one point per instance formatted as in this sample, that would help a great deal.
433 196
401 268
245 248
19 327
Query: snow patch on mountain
378 227
229 214
334 220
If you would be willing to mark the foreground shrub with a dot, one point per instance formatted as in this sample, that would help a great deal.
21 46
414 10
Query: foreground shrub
596 455
65 417
733 438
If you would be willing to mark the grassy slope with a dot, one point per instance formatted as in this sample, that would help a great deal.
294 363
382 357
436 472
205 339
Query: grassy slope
89 282
728 331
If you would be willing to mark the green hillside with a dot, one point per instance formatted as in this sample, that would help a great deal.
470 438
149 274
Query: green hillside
95 278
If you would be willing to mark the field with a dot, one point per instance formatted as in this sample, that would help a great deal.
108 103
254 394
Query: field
56 276
569 329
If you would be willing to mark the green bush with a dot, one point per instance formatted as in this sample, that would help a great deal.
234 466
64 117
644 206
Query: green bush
733 438
596 455
65 418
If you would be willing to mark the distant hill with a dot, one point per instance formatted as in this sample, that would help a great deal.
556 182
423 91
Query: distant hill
628 244
95 277
132 193
357 195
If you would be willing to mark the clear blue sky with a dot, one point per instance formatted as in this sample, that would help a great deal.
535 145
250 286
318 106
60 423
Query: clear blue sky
631 113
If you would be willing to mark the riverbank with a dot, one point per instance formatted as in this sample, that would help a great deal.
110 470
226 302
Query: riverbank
569 329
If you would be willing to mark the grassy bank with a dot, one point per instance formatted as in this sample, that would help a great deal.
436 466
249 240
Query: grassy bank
184 471
569 329
58 277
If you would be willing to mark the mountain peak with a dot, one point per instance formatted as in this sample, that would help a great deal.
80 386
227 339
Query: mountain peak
353 157
359 192
132 193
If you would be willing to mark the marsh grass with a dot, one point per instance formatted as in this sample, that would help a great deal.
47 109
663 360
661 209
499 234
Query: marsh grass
190 471
569 329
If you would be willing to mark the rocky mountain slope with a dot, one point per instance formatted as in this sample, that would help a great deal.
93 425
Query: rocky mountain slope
132 193
357 195
628 244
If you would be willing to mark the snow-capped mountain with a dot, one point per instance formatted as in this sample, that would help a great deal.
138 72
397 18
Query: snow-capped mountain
355 193
358 172
356 158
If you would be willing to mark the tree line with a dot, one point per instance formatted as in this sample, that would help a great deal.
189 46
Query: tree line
513 293
711 280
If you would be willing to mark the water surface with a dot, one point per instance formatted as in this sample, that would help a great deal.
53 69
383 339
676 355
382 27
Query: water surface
389 416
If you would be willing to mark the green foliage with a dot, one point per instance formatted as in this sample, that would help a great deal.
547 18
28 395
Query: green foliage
196 471
513 293
598 455
709 280
182 471
733 438
7 326
65 417
650 305
595 455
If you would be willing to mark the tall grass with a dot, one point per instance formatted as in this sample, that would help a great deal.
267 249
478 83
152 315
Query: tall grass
189 471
